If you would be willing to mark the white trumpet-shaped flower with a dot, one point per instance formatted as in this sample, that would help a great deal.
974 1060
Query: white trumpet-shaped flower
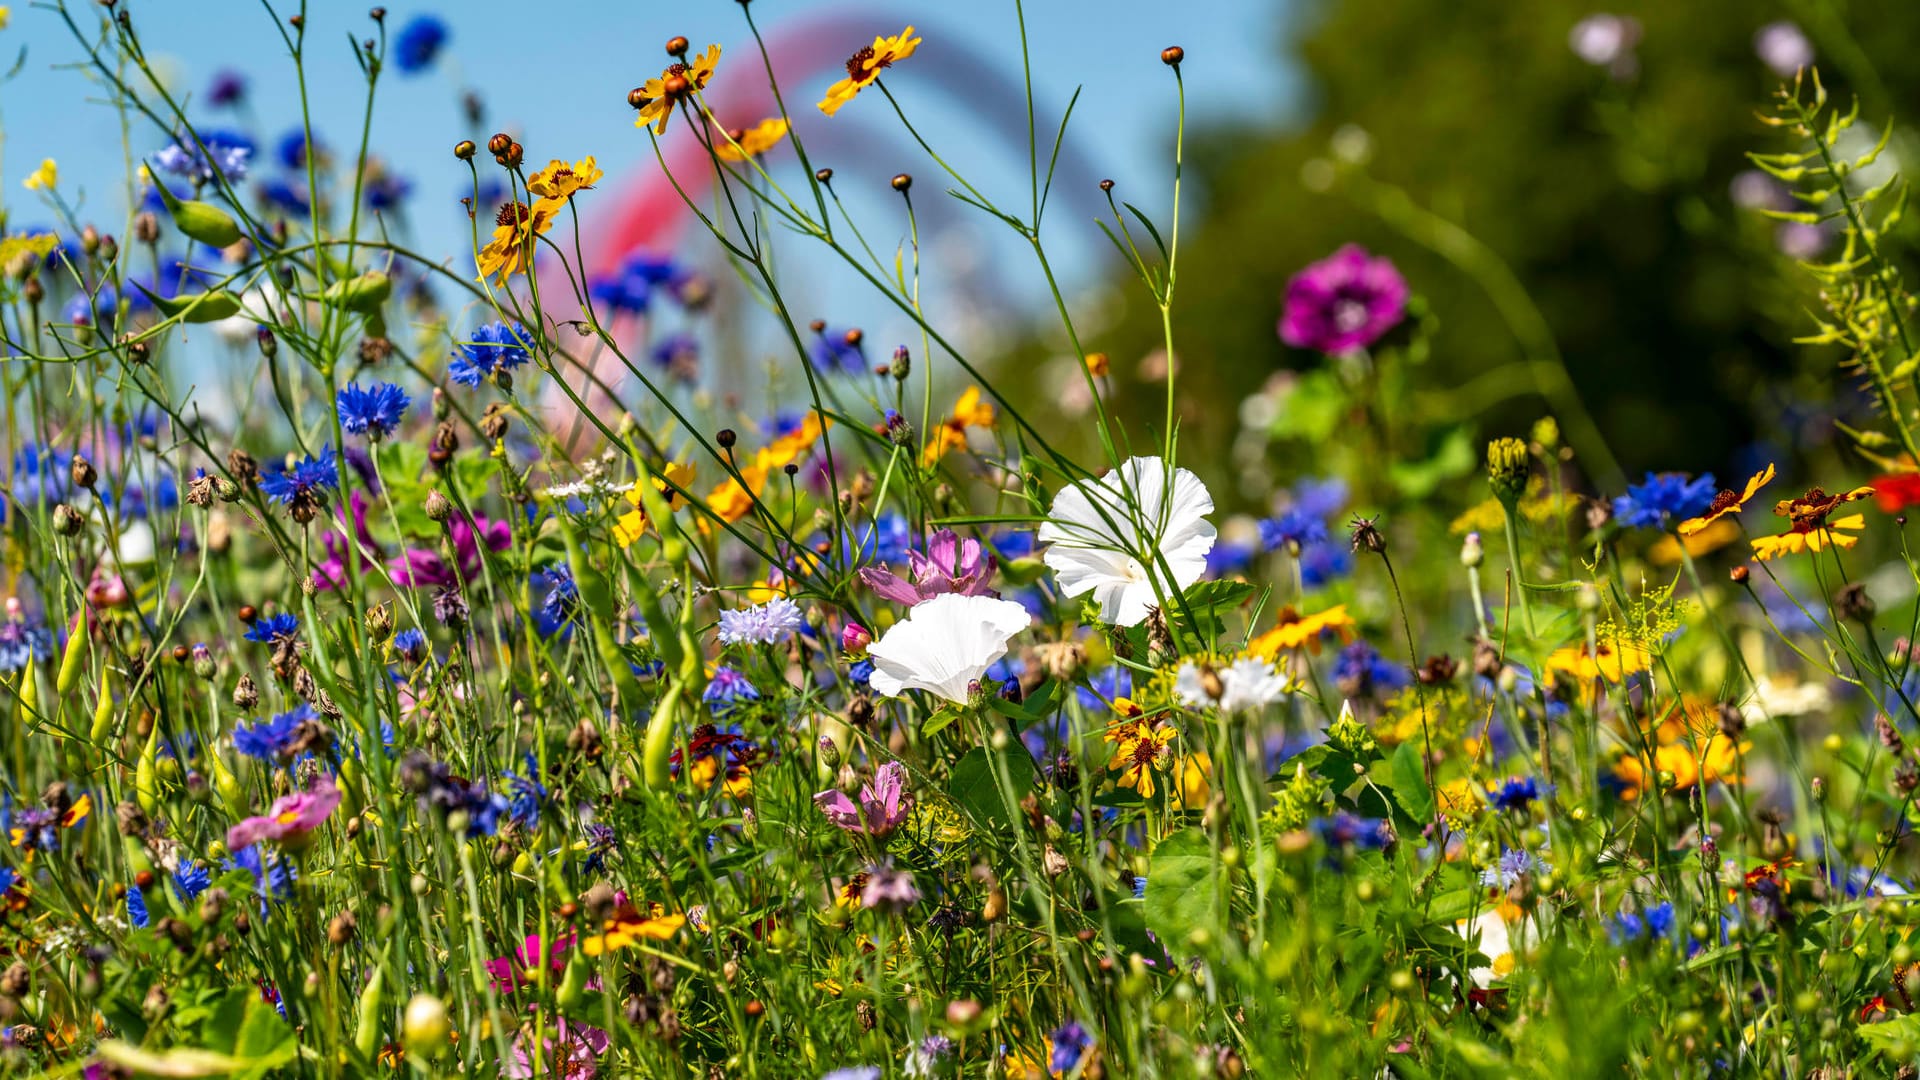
1093 533
945 645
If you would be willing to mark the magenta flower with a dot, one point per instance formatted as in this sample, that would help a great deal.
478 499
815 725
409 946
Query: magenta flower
291 819
573 1052
510 971
1344 302
425 569
950 565
332 573
884 803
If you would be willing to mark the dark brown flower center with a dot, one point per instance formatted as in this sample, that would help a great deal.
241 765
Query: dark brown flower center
857 63
512 213
1724 502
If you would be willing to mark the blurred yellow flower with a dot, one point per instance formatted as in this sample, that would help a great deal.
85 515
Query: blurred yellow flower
734 498
1609 662
864 67
752 142
1795 541
628 926
1711 536
560 180
951 434
633 524
1141 748
654 100
44 177
1295 631
6 16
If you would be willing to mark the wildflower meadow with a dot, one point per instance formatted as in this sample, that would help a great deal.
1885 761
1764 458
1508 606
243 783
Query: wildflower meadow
572 646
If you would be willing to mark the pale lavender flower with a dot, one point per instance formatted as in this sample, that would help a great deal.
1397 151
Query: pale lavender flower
1513 865
1783 48
763 625
890 889
884 803
1606 41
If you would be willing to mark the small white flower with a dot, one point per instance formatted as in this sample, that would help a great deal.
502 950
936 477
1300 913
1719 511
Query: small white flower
1247 683
944 645
1092 533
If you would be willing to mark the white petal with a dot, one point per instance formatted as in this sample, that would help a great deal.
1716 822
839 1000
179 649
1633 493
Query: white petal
1091 529
944 645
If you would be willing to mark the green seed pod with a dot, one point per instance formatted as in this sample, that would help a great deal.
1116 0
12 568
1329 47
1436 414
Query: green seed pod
146 776
71 664
197 308
658 746
573 984
227 785
366 1035
102 728
200 221
29 690
364 294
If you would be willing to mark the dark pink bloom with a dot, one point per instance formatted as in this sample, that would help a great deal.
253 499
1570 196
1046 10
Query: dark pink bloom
509 971
884 803
571 1054
950 565
855 638
332 572
425 569
1344 302
291 819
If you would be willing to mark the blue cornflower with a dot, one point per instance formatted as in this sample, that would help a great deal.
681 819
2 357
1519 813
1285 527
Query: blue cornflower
1516 793
1514 864
385 189
1662 499
629 290
833 352
726 689
860 672
273 876
1321 563
285 196
7 879
601 842
22 642
418 43
227 154
371 411
300 485
228 87
494 347
268 740
1070 1044
762 625
1228 557
679 354
411 644
137 501
1292 529
561 594
528 794
137 907
1363 668
1653 923
293 147
1139 886
1344 828
270 629
42 475
191 880
1112 681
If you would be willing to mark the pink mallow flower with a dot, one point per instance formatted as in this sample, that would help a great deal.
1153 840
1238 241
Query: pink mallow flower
950 565
1346 301
292 818
884 803
424 569
511 972
572 1053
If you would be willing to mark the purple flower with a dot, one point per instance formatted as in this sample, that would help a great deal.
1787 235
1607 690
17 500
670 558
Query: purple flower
890 889
1344 302
22 642
834 351
726 689
763 625
226 154
228 88
884 803
371 411
1783 48
421 568
494 347
950 565
291 819
1070 1045
1513 865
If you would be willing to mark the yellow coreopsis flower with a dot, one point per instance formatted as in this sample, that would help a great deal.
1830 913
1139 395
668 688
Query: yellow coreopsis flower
632 525
1142 746
1712 536
560 180
656 98
628 926
1297 631
752 142
865 66
1813 524
1727 502
510 251
6 16
1609 662
951 434
44 177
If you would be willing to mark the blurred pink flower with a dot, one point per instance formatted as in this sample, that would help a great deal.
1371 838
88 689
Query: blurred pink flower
292 818
425 569
950 565
1344 302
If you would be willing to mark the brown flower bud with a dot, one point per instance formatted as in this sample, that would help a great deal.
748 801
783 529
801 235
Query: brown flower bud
84 474
499 144
825 176
677 46
1172 55
901 181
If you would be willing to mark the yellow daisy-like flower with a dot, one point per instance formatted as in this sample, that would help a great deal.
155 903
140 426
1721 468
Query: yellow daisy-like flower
627 926
733 499
1611 662
864 67
968 412
633 524
1727 502
752 142
1813 524
560 180
1712 536
656 100
510 251
1142 747
1297 631
44 177
1459 802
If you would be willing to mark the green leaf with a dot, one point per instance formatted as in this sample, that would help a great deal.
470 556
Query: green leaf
1183 887
940 721
976 787
1410 783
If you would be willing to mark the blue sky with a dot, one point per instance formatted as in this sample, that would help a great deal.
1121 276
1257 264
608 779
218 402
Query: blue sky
556 75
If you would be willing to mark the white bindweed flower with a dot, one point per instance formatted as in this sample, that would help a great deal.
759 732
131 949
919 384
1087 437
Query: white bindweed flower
1247 683
1091 530
945 645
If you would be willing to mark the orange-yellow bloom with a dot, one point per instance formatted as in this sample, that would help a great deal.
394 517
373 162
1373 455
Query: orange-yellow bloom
1296 631
1794 541
864 67
1610 662
734 498
1712 536
1727 502
754 141
510 251
951 434
627 926
656 103
560 180
633 524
